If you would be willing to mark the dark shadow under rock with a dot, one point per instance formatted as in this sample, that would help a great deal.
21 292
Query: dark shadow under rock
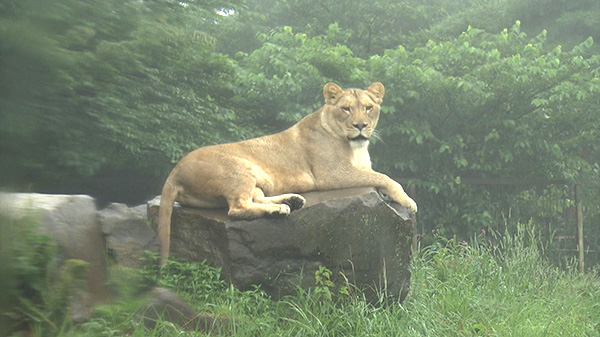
163 304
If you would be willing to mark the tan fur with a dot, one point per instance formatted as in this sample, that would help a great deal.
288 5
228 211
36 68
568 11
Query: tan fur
257 177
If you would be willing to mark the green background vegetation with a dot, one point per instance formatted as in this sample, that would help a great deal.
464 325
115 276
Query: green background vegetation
103 97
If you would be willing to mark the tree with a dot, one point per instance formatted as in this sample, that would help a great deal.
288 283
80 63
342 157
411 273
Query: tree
98 94
487 105
568 23
366 28
479 106
126 87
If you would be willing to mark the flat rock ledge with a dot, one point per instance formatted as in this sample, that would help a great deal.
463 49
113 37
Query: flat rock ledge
355 233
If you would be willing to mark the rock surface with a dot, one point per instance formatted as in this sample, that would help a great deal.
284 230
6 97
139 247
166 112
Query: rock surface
127 234
352 231
163 304
72 221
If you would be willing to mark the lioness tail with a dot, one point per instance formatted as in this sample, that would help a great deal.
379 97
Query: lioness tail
167 198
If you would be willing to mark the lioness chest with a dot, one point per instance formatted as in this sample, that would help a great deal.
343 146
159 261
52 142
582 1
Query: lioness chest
360 155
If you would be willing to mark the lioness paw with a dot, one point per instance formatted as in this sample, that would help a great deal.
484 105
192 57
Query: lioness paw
279 210
295 202
410 204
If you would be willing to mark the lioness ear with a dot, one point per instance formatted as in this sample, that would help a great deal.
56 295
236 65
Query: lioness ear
331 92
377 91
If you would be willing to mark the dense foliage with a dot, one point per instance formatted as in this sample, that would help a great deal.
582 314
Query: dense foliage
36 285
488 287
103 97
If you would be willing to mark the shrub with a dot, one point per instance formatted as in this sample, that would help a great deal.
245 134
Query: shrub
36 288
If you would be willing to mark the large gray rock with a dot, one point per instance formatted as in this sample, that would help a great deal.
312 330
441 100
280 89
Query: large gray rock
71 220
127 234
352 231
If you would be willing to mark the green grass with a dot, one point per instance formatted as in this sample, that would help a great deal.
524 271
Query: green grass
499 287
509 290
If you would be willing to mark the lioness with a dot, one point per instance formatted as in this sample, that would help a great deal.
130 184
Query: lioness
256 177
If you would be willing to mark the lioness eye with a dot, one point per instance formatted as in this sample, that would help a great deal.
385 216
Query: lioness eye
346 109
369 108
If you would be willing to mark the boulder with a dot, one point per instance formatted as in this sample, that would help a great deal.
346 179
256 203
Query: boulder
163 304
353 232
127 234
71 220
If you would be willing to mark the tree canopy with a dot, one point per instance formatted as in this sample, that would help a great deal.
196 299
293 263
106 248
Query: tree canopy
103 97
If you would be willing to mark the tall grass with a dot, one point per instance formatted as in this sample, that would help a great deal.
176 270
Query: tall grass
508 289
498 286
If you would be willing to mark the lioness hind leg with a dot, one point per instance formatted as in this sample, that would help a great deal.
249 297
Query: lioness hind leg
294 201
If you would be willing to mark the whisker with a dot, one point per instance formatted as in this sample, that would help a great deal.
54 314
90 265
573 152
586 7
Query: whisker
375 135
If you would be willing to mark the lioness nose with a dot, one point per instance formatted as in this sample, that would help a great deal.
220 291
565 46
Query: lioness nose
359 126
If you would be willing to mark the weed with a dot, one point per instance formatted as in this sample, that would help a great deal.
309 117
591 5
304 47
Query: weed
323 284
197 281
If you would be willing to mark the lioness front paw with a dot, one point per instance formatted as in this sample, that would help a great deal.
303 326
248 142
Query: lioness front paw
410 204
295 202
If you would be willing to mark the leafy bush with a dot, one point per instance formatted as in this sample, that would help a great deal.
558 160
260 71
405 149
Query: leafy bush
36 289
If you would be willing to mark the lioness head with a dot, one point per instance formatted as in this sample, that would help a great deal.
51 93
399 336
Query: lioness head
352 113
